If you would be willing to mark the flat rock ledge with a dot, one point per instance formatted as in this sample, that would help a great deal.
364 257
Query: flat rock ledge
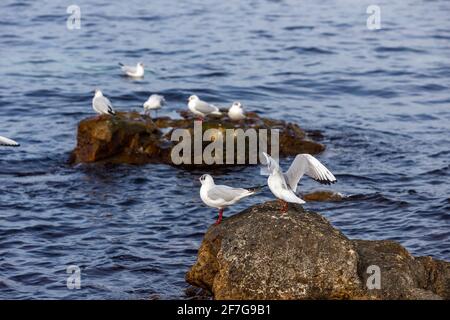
262 254
133 138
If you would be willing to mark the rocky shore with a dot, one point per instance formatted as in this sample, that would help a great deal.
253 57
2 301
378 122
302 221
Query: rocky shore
262 254
132 138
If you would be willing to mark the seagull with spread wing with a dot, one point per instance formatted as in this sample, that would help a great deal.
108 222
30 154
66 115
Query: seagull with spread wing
284 185
221 196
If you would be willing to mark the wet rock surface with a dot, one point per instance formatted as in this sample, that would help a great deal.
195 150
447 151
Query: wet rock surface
323 195
262 254
132 138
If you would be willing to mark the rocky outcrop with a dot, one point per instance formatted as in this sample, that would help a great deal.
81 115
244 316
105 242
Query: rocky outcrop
132 138
262 254
323 195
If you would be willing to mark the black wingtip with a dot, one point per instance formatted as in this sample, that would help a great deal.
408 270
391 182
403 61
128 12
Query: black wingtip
121 64
10 145
327 182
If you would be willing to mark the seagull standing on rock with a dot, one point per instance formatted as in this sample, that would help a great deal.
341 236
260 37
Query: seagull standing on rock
101 104
221 196
134 72
202 108
154 102
236 113
284 185
8 142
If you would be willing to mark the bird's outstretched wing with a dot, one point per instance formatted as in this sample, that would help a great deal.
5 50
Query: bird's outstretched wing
226 193
8 142
307 164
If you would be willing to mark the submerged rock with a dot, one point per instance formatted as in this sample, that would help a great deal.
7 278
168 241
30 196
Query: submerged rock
262 254
130 137
323 195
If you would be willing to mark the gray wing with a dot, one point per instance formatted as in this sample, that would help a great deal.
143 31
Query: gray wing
307 164
158 99
204 107
8 142
104 105
129 69
227 193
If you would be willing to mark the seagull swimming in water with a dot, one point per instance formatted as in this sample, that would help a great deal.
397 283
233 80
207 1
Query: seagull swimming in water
8 142
154 102
134 72
236 112
221 196
284 185
101 104
202 108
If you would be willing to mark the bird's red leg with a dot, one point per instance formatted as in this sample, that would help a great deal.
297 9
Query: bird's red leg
286 207
281 204
219 219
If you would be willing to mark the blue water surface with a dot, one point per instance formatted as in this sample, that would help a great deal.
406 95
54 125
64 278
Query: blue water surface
380 97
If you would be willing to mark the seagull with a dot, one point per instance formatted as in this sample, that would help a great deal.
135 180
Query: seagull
201 108
236 112
154 102
284 185
101 104
8 142
220 196
134 72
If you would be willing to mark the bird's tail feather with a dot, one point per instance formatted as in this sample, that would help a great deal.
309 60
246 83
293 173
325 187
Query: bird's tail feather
292 197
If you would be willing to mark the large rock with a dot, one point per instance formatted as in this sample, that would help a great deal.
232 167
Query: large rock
133 138
262 254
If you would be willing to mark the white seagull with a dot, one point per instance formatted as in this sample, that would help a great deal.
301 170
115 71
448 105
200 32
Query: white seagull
201 108
236 112
101 104
221 196
8 142
154 102
134 72
284 185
